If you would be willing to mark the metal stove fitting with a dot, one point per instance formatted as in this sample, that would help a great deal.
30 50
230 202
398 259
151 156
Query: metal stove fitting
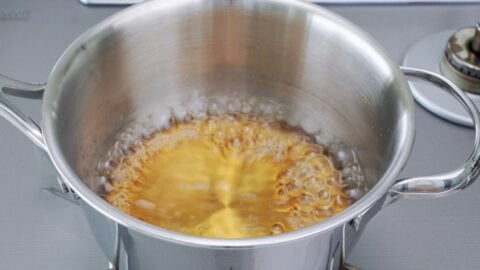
461 60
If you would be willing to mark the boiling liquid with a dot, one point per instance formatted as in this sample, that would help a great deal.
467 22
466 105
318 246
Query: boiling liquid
228 176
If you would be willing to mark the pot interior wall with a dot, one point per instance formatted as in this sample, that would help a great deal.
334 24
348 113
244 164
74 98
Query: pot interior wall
321 68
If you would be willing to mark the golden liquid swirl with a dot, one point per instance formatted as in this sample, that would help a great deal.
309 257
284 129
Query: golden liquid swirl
228 176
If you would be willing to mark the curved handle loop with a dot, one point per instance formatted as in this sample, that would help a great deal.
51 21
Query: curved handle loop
447 183
11 113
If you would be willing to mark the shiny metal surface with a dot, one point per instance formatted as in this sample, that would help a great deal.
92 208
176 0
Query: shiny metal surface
94 87
427 53
82 112
129 249
109 2
461 61
476 39
213 39
450 182
348 267
336 2
8 111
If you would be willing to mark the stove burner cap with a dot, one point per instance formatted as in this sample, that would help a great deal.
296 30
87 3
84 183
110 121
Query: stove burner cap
461 60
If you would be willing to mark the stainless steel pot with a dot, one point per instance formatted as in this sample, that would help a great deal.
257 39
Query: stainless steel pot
294 53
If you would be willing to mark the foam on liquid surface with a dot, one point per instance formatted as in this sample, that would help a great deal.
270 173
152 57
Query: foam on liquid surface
229 175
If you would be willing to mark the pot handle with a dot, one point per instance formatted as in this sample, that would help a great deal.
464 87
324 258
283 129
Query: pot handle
12 114
450 182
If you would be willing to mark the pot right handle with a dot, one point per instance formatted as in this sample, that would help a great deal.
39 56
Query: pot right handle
450 182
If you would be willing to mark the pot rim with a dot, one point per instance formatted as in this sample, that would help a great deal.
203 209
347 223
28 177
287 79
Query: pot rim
92 199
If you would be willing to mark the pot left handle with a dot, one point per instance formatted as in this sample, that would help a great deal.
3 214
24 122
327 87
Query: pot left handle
14 115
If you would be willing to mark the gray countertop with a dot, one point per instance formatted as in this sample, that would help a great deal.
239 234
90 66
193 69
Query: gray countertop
42 231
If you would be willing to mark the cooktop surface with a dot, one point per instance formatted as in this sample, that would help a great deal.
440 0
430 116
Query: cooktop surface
39 230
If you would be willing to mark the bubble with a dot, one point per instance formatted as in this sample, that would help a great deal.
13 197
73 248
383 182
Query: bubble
125 137
180 113
280 115
294 219
306 199
125 149
354 194
220 135
107 165
323 195
146 132
108 187
103 180
277 228
309 125
266 108
161 119
342 154
282 191
236 143
304 208
246 107
145 204
233 105
216 106
198 107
